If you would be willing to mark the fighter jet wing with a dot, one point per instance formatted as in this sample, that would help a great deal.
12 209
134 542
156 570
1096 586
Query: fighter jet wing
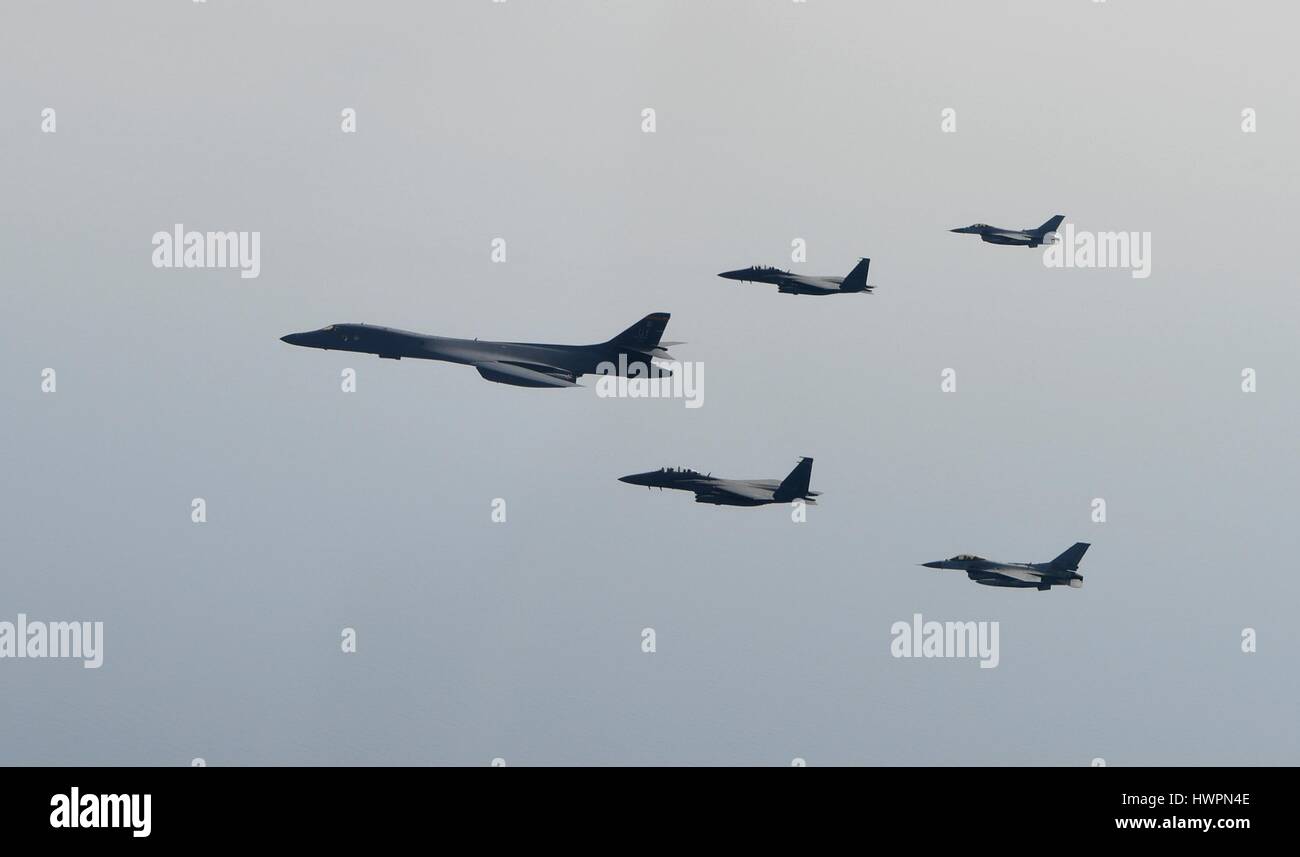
526 374
801 287
1026 574
731 490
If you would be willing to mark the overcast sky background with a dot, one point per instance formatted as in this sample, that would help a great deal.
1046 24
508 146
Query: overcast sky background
522 640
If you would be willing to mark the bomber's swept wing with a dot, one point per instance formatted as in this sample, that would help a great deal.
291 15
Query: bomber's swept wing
526 374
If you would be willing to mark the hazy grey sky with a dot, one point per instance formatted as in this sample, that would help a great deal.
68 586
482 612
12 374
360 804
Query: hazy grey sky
521 640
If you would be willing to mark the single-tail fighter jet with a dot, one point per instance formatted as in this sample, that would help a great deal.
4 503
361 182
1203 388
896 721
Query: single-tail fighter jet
732 492
1019 237
798 284
1062 571
521 364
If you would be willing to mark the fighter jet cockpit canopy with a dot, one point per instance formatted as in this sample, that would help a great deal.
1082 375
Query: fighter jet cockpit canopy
965 557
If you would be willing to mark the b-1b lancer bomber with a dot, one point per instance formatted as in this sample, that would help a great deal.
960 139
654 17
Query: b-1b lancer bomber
798 284
1062 571
732 492
1017 237
521 364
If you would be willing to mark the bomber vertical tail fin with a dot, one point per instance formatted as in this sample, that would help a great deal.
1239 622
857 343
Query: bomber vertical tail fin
645 334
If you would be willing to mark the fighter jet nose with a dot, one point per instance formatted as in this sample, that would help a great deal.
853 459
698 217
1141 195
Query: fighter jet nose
292 338
932 565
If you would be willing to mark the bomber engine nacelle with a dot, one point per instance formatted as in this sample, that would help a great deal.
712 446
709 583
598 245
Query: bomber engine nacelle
521 376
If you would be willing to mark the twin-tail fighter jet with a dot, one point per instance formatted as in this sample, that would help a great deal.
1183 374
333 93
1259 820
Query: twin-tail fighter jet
732 492
799 284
